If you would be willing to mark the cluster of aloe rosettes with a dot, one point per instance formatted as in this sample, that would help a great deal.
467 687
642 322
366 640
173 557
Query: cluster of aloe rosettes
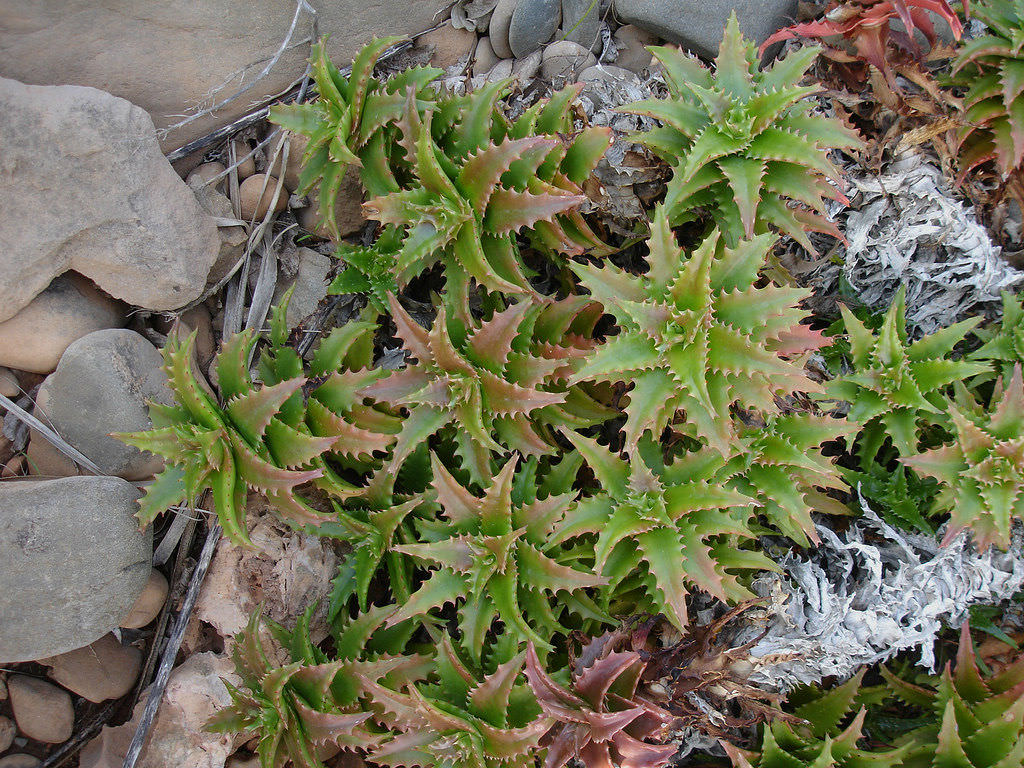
543 467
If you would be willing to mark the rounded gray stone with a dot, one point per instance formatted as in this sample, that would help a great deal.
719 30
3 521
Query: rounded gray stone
101 386
501 19
534 23
74 563
698 24
564 59
581 20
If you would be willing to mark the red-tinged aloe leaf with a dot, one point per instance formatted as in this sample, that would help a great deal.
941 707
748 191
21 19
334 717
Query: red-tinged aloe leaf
619 359
413 335
349 439
640 754
291 507
181 378
609 469
490 698
541 572
460 506
440 588
510 743
292 448
491 343
454 554
252 412
406 385
263 475
587 148
481 173
504 398
406 750
510 210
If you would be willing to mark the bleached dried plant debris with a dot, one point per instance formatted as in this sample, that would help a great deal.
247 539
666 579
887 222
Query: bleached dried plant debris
869 594
906 226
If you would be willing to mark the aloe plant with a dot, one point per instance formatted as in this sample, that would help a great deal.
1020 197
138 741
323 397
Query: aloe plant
989 66
498 381
1004 345
490 558
982 471
897 386
659 531
698 335
745 144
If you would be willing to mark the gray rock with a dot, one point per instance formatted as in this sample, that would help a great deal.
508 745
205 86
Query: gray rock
501 20
485 57
533 24
527 68
169 56
585 16
7 733
500 71
74 563
84 187
19 760
698 24
309 269
564 59
632 42
70 307
100 387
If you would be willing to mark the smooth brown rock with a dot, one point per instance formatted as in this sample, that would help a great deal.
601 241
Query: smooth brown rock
149 604
484 58
85 187
9 386
258 194
68 309
7 733
168 56
208 175
293 167
42 710
198 319
245 159
99 671
46 461
450 45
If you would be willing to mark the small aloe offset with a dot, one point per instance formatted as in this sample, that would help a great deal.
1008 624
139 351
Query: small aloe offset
975 720
745 144
821 742
896 387
990 67
982 471
226 449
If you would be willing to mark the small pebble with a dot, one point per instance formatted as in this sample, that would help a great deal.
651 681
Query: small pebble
534 23
296 147
564 59
205 174
42 710
149 604
501 19
632 42
7 733
450 44
100 671
8 383
20 761
485 57
248 166
254 201
500 71
527 68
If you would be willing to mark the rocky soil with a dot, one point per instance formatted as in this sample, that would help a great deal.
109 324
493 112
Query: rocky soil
109 248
